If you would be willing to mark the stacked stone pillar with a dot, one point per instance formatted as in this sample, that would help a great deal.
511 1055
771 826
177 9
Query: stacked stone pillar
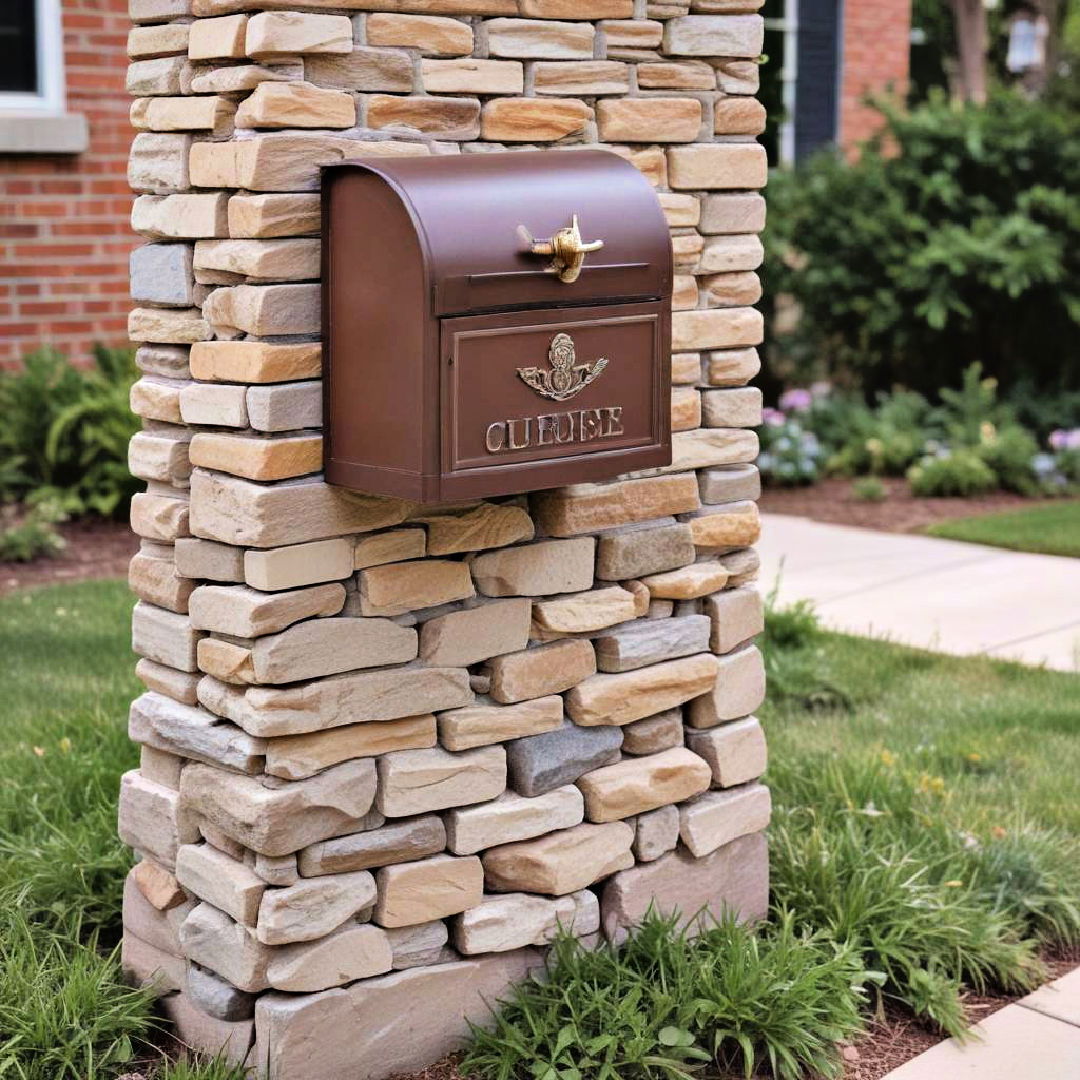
387 749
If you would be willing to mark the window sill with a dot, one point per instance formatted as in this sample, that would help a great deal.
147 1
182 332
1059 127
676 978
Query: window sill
50 133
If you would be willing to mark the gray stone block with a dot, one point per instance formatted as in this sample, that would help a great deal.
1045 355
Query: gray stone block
648 641
162 274
541 763
217 997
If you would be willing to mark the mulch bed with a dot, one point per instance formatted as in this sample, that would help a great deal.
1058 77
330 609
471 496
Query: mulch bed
95 549
900 512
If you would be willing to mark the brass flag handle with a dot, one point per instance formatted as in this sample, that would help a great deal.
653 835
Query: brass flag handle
567 249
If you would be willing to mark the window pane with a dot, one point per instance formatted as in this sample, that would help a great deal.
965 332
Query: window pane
18 46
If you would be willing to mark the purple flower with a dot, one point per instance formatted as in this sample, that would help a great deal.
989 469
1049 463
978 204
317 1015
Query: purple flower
1065 440
797 400
773 417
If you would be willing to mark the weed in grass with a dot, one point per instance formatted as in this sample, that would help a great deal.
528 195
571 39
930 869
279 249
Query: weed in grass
663 1004
200 1068
64 1012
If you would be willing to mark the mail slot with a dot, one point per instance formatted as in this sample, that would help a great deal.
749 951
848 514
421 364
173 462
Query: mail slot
493 323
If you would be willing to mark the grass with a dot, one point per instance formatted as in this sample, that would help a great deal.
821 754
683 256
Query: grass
924 842
1052 529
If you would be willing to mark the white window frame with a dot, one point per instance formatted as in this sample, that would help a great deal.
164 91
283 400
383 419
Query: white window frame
788 25
49 96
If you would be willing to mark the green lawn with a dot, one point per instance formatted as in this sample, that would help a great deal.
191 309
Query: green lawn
926 824
1052 529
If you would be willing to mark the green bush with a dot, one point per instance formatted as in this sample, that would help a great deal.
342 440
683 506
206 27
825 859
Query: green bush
955 238
30 535
64 432
662 1005
868 489
961 472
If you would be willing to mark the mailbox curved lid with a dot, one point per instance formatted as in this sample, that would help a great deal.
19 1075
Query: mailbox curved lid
475 213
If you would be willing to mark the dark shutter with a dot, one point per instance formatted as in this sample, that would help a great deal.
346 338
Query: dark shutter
817 82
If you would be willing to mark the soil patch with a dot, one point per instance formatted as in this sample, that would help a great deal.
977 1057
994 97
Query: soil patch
95 549
900 511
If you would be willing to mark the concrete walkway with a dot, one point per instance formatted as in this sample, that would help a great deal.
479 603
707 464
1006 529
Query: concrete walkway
1038 1038
918 590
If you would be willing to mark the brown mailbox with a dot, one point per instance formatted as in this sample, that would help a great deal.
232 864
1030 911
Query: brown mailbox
493 323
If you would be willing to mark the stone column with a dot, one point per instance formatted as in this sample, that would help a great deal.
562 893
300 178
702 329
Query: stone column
386 749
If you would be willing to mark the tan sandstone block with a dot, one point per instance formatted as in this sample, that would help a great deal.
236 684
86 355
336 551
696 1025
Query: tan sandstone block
258 459
282 33
546 669
462 638
442 117
158 162
251 216
420 781
732 367
154 398
684 293
715 35
296 105
343 956
243 612
471 76
717 818
157 582
298 564
159 887
742 212
380 845
739 690
732 526
718 165
296 756
364 69
591 507
226 661
716 329
561 862
641 784
688 582
586 611
648 548
313 907
517 920
481 725
213 114
159 517
218 39
677 75
418 892
685 408
164 636
686 368
531 39
220 880
649 119
247 514
150 819
159 76
737 407
265 309
356 697
477 528
158 765
737 289
627 696
512 817
396 588
275 816
255 361
260 260
733 879
736 752
541 569
654 734
220 406
738 116
432 35
282 161
397 545
212 78
632 33
167 327
180 217
533 120
213 940
685 249
580 77
577 9
725 254
146 42
737 615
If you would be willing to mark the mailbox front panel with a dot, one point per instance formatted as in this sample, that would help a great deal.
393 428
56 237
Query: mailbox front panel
541 398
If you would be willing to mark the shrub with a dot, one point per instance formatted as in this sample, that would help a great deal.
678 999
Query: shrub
25 538
954 238
663 1004
64 432
868 489
790 454
946 472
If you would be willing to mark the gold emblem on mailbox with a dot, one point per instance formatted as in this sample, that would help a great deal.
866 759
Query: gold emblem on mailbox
565 379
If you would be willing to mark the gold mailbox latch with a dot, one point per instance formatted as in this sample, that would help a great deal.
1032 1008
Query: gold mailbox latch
567 249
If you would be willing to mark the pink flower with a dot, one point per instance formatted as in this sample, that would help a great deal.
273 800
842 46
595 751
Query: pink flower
797 400
1065 440
773 417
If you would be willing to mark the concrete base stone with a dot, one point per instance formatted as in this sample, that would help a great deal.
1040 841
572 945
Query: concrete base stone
408 1020
734 877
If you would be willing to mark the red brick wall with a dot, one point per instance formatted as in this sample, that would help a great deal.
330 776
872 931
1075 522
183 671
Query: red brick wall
875 60
64 219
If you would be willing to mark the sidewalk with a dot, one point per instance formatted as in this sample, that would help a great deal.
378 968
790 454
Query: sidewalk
918 590
1036 1038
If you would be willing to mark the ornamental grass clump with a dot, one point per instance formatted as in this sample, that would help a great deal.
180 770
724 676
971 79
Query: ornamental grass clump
665 1005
